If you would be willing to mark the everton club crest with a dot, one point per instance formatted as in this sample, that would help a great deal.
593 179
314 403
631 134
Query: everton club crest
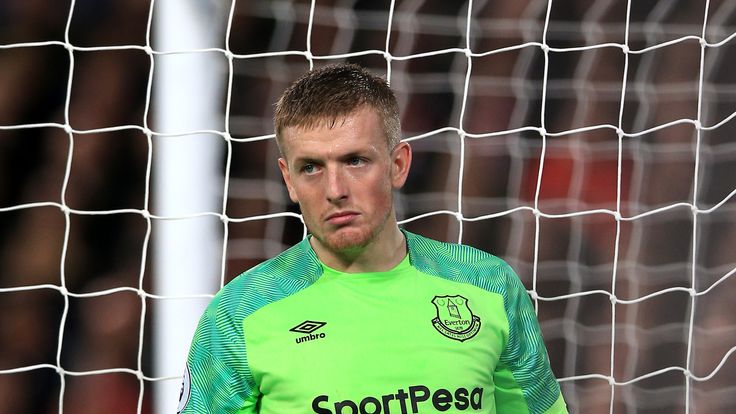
454 318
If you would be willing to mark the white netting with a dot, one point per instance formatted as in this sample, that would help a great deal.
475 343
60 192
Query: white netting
587 143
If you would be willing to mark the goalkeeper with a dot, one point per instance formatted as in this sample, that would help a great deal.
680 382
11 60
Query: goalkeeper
362 317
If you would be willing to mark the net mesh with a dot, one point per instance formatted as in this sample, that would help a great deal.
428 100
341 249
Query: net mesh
589 144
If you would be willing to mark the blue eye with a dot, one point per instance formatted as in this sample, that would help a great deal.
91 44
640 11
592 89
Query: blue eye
355 161
308 168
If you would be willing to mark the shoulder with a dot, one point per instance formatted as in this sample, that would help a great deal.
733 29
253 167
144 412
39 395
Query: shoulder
434 255
461 263
268 282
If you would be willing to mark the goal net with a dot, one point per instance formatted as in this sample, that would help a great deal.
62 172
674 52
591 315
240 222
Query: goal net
588 143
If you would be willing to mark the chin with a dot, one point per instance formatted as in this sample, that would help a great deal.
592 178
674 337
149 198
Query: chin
346 240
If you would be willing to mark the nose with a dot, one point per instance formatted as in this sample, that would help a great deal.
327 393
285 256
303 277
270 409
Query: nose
337 189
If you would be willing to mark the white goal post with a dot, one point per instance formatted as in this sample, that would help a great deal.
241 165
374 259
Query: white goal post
188 193
588 143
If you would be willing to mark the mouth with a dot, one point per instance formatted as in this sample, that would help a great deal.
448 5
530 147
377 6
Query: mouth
340 218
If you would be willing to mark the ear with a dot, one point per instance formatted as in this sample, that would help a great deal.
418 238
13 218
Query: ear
400 164
284 167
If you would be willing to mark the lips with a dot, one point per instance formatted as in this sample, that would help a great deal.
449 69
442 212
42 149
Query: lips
343 217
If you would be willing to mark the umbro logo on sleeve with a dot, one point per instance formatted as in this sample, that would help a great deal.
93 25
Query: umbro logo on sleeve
309 327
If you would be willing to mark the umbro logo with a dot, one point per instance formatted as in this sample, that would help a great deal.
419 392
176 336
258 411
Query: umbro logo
307 327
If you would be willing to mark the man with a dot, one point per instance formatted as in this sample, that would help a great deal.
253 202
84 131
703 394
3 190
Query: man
361 316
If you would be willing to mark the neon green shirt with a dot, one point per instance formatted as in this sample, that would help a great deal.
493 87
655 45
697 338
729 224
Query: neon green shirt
450 329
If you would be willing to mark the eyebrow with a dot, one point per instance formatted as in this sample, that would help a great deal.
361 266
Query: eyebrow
306 160
342 157
352 154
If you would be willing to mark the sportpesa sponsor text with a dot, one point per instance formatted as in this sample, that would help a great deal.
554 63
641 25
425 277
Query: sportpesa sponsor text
419 399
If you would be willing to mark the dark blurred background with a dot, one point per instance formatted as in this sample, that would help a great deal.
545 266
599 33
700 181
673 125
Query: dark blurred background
660 345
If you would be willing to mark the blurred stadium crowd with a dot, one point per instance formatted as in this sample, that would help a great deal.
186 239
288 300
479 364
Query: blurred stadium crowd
511 95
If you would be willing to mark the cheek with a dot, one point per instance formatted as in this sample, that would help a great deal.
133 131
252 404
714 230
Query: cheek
381 194
311 201
305 190
306 200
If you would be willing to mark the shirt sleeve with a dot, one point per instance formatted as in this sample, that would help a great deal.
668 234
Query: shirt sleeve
523 378
217 378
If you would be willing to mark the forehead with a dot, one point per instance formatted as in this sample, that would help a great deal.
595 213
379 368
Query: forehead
360 130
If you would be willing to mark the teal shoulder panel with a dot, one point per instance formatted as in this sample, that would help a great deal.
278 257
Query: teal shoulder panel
221 380
459 263
524 355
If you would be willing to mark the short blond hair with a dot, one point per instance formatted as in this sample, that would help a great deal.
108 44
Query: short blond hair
332 92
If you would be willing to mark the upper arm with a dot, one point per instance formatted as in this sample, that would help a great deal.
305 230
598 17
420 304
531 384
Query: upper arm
523 378
217 377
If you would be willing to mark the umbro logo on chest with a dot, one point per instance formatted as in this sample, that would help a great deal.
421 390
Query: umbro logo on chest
309 327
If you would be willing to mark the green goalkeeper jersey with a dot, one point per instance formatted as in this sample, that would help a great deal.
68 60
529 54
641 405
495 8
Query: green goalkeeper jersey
450 329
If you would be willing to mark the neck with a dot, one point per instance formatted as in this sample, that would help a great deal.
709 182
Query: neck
383 253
